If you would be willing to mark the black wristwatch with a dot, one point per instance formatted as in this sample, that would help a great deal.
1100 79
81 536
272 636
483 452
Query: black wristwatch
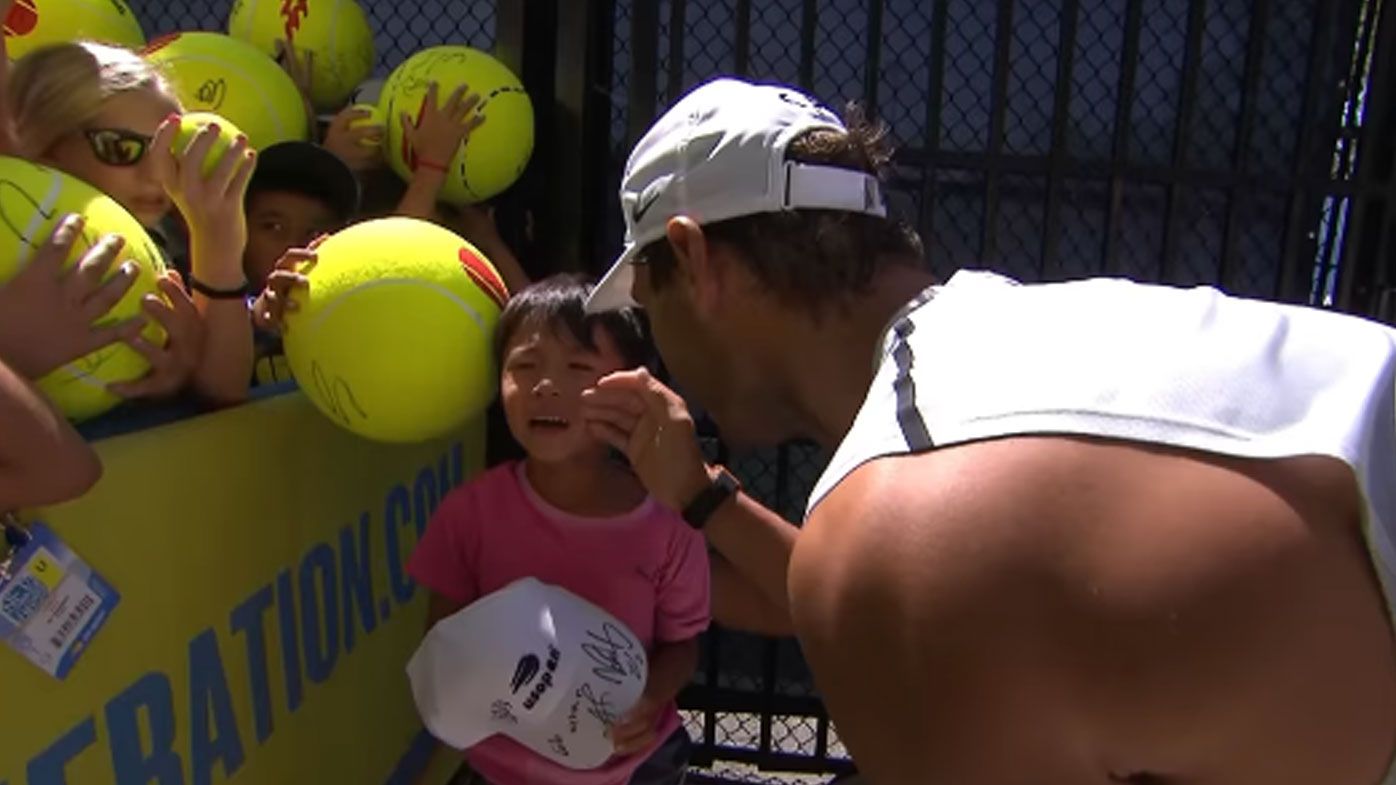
722 487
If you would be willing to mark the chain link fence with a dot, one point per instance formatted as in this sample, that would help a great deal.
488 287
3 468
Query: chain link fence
1179 141
1168 140
399 28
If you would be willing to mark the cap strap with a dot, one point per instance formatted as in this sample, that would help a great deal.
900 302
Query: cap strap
831 188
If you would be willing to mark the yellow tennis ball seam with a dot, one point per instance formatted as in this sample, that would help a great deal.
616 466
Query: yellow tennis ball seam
337 301
339 34
484 104
76 386
374 323
269 108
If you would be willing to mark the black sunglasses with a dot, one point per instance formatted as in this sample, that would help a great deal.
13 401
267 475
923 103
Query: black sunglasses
117 146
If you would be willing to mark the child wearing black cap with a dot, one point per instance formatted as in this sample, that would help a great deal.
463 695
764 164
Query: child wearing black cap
298 192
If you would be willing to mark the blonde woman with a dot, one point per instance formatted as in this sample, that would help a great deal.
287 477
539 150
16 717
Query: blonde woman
102 114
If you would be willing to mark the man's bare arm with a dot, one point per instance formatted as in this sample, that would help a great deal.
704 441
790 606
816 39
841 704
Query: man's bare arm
739 604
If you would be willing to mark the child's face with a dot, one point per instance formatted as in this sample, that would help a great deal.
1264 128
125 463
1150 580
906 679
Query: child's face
123 169
541 384
278 221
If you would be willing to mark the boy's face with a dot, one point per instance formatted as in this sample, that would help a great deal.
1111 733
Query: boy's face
278 221
541 383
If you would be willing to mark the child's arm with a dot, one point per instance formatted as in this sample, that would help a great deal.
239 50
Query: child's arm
433 139
476 224
299 66
42 459
213 208
671 666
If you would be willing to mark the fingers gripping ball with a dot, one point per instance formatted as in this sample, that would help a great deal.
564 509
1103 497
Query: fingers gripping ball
232 78
190 125
334 33
375 117
35 23
33 199
494 155
392 336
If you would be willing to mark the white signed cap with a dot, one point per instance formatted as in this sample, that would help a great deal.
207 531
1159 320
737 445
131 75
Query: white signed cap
536 663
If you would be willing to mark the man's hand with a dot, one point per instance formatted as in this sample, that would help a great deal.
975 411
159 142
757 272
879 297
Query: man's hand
635 413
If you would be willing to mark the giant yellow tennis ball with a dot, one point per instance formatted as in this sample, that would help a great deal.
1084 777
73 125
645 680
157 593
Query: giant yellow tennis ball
495 154
392 338
34 23
33 199
334 33
190 124
216 73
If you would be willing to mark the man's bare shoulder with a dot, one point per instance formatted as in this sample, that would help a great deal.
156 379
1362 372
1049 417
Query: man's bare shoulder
1078 477
893 498
1143 609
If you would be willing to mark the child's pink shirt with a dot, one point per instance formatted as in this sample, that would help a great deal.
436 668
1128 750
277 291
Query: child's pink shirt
647 568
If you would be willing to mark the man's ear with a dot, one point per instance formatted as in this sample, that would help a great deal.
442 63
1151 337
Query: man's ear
699 269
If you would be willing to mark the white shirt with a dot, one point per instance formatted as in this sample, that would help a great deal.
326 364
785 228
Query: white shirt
984 357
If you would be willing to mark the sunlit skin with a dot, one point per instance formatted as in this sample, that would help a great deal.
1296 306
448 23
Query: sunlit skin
542 377
1041 609
136 187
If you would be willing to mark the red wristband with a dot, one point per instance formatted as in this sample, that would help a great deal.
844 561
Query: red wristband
423 163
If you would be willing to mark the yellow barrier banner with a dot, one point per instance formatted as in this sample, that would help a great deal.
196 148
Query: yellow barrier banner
266 616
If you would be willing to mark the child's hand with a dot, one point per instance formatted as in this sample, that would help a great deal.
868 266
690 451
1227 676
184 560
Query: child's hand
475 222
275 300
47 312
173 364
212 205
361 146
636 730
438 132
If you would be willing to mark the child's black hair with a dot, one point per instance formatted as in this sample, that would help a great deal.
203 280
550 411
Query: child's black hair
559 302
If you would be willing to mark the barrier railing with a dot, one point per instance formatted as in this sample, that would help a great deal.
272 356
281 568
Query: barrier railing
265 614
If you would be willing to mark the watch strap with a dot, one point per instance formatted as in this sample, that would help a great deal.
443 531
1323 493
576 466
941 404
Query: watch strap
722 487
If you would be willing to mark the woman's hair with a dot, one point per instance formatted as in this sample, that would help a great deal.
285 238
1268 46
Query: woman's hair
558 303
57 89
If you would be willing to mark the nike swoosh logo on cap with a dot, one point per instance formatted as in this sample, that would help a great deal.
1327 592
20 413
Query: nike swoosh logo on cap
643 207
